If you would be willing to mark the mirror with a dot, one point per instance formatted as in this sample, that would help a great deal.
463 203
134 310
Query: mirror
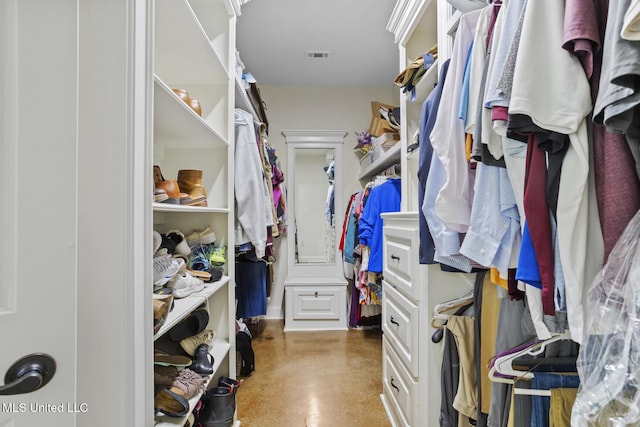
314 206
314 159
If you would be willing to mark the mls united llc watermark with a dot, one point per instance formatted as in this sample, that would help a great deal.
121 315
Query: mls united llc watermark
33 407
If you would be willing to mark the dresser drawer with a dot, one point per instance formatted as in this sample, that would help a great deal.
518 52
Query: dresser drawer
400 321
400 261
315 307
398 386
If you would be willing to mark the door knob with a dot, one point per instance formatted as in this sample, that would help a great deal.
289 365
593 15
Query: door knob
28 374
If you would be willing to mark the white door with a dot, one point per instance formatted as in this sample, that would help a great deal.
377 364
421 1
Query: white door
38 144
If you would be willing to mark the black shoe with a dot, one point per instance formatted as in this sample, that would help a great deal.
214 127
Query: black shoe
219 408
202 360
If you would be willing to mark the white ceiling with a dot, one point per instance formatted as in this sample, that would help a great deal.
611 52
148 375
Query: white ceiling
274 36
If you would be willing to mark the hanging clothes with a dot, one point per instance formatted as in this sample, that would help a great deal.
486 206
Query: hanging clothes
251 194
383 198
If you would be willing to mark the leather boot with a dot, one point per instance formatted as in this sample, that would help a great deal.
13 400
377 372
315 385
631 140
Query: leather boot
219 408
190 182
169 187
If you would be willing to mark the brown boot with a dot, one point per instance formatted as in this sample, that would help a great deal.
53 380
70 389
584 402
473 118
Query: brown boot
190 181
168 187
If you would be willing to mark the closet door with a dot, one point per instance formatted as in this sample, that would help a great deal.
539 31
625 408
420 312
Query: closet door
70 238
26 152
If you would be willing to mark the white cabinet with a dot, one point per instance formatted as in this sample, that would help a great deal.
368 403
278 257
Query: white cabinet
411 364
310 305
194 49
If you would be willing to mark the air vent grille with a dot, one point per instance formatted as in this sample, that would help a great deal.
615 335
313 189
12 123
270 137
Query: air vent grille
316 54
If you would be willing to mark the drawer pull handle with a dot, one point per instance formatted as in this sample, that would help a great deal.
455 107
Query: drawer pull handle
393 385
316 294
392 320
395 258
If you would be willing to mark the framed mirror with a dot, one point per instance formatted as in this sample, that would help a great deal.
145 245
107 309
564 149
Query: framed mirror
314 238
314 201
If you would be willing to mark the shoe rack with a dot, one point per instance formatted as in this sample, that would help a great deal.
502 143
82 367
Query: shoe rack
194 52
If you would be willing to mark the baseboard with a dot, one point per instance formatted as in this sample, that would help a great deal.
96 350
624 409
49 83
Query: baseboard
274 313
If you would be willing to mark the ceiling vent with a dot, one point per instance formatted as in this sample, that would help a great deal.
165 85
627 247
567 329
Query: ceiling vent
316 54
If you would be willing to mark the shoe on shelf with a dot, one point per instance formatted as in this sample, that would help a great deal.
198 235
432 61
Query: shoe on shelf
169 187
164 375
199 261
161 308
184 284
179 243
190 326
157 241
160 195
174 401
191 419
216 272
219 407
190 344
217 256
201 237
165 268
229 382
163 358
205 276
190 182
202 361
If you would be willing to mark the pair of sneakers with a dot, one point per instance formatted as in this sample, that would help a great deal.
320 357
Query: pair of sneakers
171 272
174 400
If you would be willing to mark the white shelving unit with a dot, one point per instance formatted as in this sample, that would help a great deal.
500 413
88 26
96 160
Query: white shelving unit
194 49
411 362
388 159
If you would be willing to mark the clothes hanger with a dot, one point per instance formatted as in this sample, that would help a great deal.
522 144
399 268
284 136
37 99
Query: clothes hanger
439 333
452 304
502 370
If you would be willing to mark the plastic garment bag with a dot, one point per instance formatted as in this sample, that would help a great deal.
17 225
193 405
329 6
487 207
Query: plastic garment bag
609 359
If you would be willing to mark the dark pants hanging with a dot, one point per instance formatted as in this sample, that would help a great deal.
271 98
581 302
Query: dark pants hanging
251 286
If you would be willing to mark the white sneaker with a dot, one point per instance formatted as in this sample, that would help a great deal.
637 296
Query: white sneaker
164 268
202 237
157 241
184 284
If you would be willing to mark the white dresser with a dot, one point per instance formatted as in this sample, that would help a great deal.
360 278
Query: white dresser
411 362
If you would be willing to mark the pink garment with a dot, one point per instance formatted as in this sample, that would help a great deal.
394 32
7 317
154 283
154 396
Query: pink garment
500 113
581 35
277 194
617 185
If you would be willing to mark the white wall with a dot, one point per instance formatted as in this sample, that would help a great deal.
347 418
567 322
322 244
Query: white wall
318 108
